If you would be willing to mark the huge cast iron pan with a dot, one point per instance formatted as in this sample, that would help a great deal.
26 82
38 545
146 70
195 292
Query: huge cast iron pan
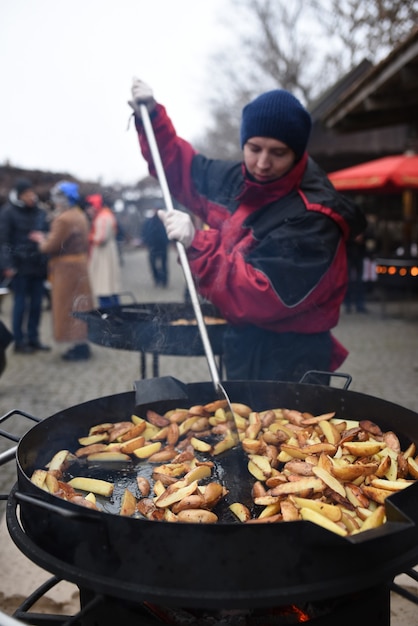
224 565
147 327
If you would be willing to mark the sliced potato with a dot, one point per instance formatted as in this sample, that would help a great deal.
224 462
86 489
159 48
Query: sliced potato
199 445
331 511
106 457
329 480
313 516
128 504
364 448
147 450
99 487
197 516
240 511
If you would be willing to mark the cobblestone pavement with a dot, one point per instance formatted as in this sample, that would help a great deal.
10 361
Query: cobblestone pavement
383 362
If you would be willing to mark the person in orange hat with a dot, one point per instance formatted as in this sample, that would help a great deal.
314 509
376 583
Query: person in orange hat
104 263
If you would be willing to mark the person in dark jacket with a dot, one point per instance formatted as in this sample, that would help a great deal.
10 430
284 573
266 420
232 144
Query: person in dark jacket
273 258
155 238
22 263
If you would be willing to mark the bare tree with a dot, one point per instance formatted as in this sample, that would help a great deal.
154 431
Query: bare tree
366 28
303 46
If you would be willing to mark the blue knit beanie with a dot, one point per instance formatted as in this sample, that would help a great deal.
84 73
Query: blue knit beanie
279 115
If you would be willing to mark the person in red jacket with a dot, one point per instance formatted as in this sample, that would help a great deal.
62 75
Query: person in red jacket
273 255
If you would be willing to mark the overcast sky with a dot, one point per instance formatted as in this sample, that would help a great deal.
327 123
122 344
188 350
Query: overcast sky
66 74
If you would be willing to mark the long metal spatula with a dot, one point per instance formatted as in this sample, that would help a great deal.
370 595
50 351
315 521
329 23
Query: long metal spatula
221 393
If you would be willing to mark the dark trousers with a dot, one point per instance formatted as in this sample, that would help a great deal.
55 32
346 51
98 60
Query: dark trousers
28 292
158 265
251 353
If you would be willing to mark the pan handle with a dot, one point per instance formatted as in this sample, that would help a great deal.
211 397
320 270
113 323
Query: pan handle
314 374
151 390
6 416
52 508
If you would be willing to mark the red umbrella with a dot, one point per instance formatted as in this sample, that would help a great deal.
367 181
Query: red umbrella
389 174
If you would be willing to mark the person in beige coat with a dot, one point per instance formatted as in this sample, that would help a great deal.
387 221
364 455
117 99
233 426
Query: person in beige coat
67 245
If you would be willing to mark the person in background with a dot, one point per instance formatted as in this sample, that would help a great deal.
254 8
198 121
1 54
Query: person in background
23 264
273 258
104 263
155 238
355 295
67 245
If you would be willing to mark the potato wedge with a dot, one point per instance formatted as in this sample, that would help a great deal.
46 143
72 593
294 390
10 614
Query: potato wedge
197 516
99 487
106 457
240 511
225 444
364 448
310 515
128 504
174 494
391 485
259 466
143 485
60 461
376 519
331 511
413 467
199 445
298 486
351 471
329 480
133 444
88 441
147 450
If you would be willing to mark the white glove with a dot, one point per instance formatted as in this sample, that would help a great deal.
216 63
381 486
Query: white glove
178 226
141 94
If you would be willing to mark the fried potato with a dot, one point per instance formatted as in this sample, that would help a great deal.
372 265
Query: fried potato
289 512
259 466
143 485
313 516
329 480
391 485
331 511
413 467
225 444
128 504
375 494
364 448
99 487
351 471
376 519
197 516
298 486
60 461
240 511
106 457
201 446
147 450
333 472
88 441
174 494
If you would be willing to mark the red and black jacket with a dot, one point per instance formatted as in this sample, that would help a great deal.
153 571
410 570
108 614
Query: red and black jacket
273 254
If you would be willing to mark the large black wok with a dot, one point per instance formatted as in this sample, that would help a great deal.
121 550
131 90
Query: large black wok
224 565
148 327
